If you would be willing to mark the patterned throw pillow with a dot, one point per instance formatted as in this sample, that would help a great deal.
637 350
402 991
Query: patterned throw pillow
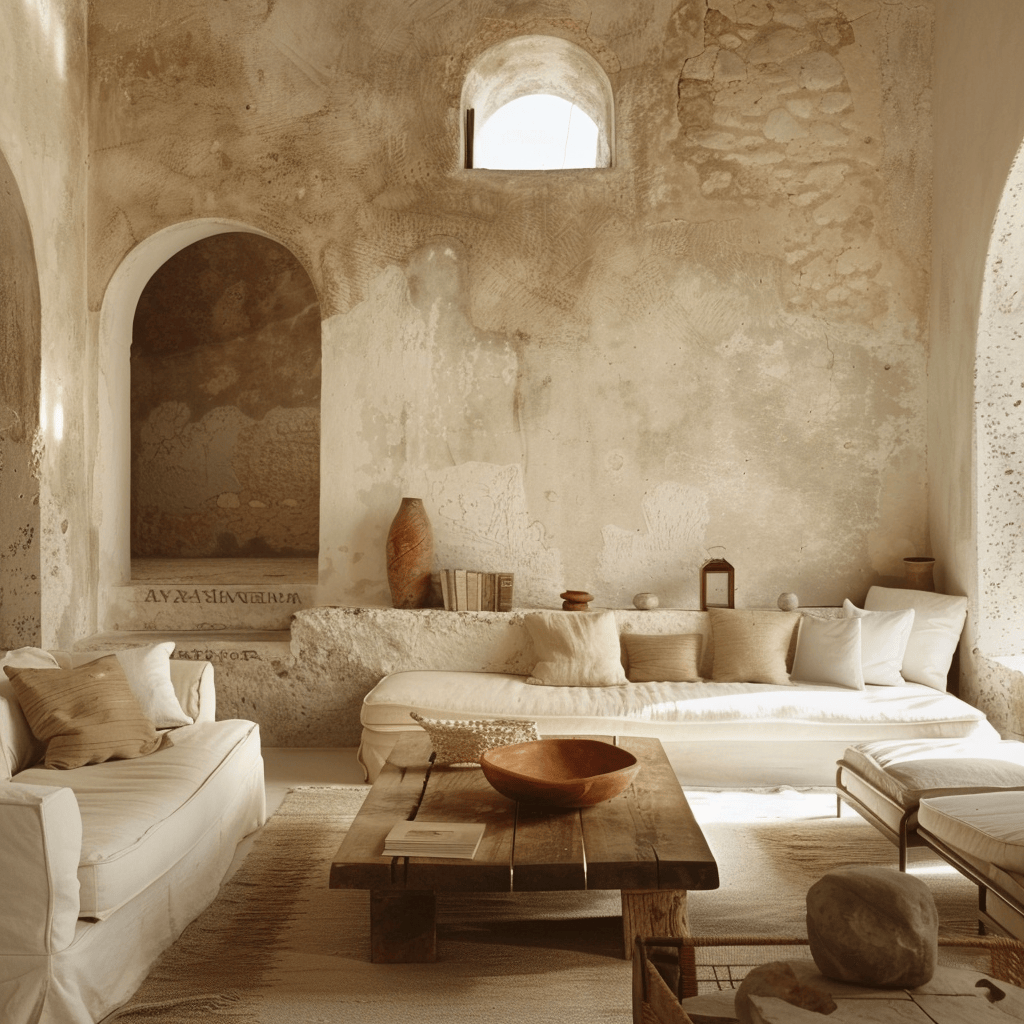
459 743
84 715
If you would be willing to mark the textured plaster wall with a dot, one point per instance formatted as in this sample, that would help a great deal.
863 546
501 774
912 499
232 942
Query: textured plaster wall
974 508
594 379
225 404
45 540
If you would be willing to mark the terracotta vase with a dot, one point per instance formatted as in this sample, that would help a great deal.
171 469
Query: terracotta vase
410 555
919 573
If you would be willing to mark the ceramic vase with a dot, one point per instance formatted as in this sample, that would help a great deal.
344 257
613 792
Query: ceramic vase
919 573
410 555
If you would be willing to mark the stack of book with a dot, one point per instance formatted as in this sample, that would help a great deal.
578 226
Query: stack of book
467 591
433 839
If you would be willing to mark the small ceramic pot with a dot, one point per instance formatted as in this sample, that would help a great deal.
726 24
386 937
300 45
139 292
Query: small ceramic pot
645 602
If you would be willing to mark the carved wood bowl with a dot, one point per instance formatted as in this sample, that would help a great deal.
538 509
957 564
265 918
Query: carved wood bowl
559 772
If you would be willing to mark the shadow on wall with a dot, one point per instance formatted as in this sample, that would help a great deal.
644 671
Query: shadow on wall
225 404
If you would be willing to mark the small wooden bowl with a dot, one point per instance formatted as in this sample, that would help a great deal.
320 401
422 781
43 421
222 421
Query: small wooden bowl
559 772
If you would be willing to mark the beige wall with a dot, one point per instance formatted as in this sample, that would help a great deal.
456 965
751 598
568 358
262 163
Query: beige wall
49 596
979 128
593 379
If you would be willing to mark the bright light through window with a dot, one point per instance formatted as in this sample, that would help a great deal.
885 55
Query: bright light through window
536 133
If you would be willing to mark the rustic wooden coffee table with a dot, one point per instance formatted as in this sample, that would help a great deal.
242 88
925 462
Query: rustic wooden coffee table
644 842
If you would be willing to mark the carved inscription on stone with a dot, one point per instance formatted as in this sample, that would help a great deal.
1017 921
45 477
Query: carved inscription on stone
196 596
207 655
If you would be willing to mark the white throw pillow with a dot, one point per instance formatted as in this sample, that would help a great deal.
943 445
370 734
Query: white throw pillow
149 675
829 651
938 623
575 648
883 642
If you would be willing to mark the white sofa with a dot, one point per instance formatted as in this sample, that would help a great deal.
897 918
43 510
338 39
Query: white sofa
104 865
716 734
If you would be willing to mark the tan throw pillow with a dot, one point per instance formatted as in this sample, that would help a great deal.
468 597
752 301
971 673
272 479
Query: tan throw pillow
84 715
575 648
657 658
751 644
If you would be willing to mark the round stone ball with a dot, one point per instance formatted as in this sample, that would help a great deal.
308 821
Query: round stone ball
645 602
789 602
873 926
778 980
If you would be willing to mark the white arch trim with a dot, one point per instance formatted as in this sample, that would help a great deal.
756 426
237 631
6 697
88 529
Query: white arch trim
112 484
999 429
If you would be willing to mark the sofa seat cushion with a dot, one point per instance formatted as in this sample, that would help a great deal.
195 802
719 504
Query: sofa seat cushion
987 827
669 711
908 771
140 817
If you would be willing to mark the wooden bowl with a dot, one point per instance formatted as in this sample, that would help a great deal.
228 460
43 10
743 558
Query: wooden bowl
559 772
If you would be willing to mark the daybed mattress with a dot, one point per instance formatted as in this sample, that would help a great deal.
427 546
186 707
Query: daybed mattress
677 711
986 827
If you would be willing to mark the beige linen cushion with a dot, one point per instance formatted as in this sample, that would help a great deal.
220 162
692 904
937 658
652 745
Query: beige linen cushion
575 648
662 658
19 747
751 644
84 715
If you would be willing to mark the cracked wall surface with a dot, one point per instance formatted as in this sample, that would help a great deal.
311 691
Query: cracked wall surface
593 378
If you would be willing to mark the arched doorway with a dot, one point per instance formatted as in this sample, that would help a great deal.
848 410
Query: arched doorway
20 347
999 429
239 311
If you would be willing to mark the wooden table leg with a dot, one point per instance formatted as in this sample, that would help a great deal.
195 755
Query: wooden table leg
650 913
403 926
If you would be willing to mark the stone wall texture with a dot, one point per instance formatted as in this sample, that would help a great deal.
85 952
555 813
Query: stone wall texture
594 379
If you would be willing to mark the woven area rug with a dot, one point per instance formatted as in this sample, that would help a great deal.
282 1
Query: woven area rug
278 946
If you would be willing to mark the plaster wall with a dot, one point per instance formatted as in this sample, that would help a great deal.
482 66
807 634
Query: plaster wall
595 379
48 591
977 68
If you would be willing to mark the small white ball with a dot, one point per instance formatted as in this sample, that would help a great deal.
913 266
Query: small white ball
645 602
789 602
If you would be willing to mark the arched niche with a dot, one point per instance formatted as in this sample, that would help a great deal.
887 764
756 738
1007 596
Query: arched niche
999 429
535 65
20 383
234 498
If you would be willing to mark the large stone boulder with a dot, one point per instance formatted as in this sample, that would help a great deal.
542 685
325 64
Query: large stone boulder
873 926
778 979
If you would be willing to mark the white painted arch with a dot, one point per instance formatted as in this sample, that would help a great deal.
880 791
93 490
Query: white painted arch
999 429
112 485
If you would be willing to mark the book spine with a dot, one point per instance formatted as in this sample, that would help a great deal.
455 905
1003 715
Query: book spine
460 590
487 593
505 581
445 593
472 578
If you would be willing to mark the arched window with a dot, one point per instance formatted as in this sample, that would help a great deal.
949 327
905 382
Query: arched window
537 103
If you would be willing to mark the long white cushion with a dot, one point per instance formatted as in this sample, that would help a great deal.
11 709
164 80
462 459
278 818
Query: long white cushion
987 827
671 711
140 817
908 771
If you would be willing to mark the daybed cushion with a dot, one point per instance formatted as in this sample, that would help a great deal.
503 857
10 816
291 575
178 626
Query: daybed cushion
140 817
987 827
675 711
829 651
938 622
908 771
884 637
662 657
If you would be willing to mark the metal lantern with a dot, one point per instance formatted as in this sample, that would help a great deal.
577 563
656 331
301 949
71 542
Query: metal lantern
717 584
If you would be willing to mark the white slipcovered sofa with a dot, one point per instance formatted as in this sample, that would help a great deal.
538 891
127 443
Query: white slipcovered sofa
721 732
102 866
